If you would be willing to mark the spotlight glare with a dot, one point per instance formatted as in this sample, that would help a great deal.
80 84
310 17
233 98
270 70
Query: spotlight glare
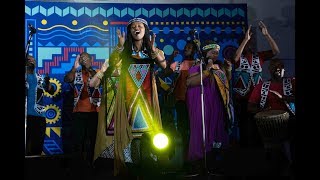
160 141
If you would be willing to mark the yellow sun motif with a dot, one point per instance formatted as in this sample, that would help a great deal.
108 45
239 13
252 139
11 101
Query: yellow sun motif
44 22
53 113
57 84
74 22
105 22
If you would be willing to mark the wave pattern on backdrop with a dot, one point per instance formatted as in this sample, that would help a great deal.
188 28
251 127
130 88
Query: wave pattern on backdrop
67 29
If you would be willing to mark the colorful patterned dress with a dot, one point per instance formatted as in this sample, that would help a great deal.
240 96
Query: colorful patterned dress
135 110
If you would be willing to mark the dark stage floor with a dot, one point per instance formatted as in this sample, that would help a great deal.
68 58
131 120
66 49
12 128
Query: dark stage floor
237 163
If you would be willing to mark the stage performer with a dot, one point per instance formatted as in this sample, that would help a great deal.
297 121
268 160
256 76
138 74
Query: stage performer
136 106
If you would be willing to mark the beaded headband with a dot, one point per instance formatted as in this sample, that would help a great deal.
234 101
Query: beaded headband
138 20
211 46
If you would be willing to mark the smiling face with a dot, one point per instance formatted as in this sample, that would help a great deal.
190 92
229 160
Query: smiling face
85 59
276 69
137 30
213 54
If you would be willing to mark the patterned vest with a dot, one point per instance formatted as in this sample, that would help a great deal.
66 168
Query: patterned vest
38 106
287 91
249 75
94 93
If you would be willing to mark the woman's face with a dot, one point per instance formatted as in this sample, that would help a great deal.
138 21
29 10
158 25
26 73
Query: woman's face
188 50
213 54
137 30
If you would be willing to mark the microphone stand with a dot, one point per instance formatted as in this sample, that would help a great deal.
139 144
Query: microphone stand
205 171
31 33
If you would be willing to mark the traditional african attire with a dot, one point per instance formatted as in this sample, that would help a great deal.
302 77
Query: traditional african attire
136 109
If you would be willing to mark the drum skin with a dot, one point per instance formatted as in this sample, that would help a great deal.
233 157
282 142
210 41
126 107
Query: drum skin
273 125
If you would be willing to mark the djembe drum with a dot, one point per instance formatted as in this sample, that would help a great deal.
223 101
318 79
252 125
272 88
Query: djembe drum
273 127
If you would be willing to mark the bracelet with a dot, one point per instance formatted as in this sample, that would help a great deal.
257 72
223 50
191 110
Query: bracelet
119 49
155 53
160 61
99 75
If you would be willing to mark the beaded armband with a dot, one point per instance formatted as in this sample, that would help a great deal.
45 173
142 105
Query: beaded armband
155 53
99 75
119 49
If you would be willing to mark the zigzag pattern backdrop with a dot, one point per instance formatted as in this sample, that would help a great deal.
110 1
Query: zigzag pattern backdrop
66 29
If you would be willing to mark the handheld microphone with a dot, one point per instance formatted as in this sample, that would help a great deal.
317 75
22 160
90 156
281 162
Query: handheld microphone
32 29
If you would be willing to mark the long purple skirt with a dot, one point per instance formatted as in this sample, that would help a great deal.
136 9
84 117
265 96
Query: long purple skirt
214 115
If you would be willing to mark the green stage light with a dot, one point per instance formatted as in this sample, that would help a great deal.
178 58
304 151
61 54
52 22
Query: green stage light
160 141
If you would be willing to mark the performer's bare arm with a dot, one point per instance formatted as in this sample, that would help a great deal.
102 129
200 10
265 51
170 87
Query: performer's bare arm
243 44
194 79
96 80
272 43
157 54
69 77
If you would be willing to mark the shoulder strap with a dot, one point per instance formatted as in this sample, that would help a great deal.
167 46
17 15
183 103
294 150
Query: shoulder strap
264 93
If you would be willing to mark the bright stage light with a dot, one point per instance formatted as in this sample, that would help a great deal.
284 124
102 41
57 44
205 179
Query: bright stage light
160 152
160 141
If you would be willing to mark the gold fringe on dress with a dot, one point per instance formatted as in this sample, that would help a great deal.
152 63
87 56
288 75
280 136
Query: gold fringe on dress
122 130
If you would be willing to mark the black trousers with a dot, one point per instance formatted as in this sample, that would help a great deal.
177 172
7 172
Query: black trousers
83 135
248 130
183 125
35 134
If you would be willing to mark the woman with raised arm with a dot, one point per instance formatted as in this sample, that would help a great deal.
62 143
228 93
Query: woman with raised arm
136 106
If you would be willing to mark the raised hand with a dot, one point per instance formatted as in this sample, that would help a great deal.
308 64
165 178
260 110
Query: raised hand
47 78
47 85
77 62
152 40
263 28
227 63
105 66
248 33
175 53
121 38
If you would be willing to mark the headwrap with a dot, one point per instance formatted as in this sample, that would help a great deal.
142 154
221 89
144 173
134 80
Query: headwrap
211 46
138 20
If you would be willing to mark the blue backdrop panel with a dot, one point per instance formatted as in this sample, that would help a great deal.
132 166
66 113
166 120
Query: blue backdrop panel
67 29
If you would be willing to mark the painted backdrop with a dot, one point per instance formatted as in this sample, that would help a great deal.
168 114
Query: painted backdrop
64 30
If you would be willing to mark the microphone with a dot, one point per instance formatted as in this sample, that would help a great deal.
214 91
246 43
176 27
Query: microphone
192 32
32 29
